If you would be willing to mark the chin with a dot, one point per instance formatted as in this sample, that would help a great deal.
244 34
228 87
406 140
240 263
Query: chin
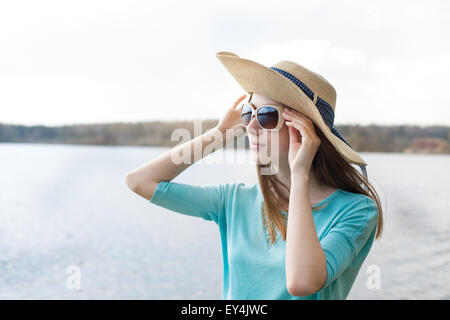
261 157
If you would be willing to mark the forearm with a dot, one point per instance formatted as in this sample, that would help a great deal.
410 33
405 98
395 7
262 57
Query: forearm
305 259
179 158
174 161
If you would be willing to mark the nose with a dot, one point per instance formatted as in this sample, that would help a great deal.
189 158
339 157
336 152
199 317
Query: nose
253 127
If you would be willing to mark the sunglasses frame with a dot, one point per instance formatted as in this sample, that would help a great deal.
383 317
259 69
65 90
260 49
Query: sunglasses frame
255 113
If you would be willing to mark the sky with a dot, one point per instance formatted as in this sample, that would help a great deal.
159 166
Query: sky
83 62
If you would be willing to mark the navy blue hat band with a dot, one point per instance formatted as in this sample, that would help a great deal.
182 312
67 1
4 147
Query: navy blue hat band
325 110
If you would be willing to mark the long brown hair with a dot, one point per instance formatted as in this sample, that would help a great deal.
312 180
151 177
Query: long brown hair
339 174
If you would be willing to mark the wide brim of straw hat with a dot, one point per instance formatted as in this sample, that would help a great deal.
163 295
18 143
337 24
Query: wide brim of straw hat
255 77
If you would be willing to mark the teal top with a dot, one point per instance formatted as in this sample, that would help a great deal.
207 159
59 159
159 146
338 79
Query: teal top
252 270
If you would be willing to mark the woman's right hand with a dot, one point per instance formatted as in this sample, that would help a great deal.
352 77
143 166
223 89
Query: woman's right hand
231 120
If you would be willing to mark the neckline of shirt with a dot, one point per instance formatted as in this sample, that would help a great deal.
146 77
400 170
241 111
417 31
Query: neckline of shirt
331 196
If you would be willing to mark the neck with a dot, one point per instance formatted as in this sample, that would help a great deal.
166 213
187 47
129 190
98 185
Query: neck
317 192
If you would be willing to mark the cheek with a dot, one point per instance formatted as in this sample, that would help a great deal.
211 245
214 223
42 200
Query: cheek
284 139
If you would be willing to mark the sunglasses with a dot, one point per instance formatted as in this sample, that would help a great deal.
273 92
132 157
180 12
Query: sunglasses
268 116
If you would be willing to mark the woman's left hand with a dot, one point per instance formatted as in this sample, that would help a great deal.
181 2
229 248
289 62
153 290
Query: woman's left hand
301 153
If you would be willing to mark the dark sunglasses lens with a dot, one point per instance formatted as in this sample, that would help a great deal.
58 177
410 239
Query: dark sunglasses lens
268 117
246 114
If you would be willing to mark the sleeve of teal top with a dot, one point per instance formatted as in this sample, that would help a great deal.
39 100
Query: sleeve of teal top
207 202
346 239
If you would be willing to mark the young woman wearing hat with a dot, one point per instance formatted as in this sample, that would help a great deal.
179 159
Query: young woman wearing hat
318 214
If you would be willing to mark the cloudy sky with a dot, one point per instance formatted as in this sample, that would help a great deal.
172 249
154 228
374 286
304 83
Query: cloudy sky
71 62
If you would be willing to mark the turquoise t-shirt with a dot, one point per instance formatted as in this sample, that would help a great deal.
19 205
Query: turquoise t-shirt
251 270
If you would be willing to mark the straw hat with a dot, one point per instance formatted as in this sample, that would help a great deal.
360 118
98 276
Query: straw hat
296 87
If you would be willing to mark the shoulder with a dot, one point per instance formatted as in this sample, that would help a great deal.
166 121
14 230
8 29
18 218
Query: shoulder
356 201
358 210
242 189
237 189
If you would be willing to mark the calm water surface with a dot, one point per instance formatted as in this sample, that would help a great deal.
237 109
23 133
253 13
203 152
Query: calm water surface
63 205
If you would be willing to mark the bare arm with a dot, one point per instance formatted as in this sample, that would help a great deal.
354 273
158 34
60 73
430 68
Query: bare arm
306 262
144 179
305 259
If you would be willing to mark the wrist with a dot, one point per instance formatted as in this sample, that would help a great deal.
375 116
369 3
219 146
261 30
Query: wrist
218 129
299 175
216 136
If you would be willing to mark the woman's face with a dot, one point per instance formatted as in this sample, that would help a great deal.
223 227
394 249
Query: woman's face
274 145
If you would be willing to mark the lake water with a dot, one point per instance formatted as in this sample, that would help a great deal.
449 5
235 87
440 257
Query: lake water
68 205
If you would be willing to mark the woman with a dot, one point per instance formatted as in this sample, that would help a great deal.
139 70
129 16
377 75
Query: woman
319 215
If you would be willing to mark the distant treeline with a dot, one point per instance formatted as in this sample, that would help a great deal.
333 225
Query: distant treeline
374 138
